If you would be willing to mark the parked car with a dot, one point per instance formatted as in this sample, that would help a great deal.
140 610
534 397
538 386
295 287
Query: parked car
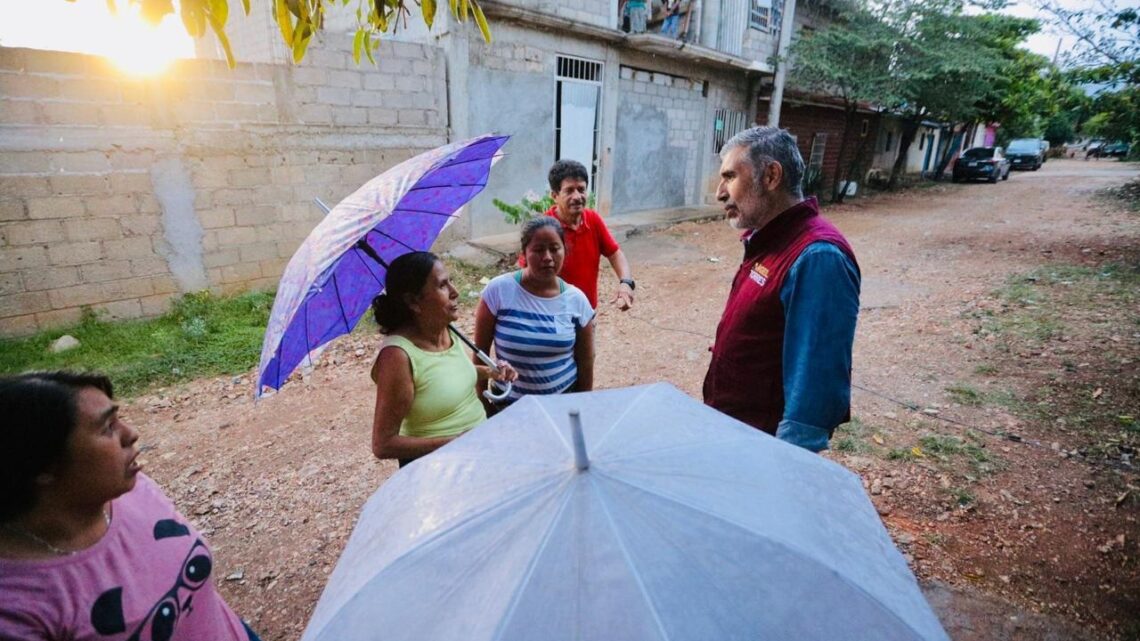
1026 153
1092 150
1044 150
988 163
1118 149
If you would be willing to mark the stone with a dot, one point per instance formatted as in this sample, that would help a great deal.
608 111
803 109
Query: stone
64 343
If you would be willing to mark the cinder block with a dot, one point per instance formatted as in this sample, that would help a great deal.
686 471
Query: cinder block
237 236
17 258
124 289
105 270
310 75
258 252
24 303
190 112
257 216
18 325
273 268
88 91
119 310
148 266
240 273
24 186
12 283
350 116
315 114
25 162
84 162
34 232
379 82
139 225
135 247
155 305
240 112
114 205
21 112
79 184
59 318
70 113
74 253
255 93
79 229
334 95
51 278
232 197
249 177
411 117
222 258
126 115
163 284
13 209
216 218
27 85
349 79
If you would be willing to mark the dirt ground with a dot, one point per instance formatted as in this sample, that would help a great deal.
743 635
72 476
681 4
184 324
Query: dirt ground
987 310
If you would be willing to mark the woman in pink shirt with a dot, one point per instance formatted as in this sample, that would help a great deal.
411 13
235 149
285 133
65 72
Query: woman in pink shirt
90 548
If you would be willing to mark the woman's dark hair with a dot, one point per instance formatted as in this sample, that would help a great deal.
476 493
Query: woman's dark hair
563 169
406 275
534 224
40 412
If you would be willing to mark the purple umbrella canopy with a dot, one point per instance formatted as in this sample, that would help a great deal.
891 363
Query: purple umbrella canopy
332 278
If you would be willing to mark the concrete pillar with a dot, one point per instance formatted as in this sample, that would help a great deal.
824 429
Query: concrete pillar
787 25
607 137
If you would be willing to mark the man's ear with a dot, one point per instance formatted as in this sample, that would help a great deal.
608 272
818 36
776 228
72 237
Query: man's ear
773 175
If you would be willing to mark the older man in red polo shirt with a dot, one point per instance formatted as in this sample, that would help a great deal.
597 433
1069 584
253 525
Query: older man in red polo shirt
587 237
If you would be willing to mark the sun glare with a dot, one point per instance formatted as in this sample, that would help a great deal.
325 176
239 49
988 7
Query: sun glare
88 26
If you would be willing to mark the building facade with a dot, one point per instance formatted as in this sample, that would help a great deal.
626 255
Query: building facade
118 194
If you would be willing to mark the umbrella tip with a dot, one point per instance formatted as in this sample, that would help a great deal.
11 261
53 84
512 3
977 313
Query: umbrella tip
581 461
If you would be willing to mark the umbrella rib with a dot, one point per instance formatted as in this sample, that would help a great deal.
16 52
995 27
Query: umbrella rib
790 547
393 238
339 304
628 409
603 499
517 596
367 266
425 211
448 186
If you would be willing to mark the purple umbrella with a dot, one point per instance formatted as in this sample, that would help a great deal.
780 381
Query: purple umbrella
333 277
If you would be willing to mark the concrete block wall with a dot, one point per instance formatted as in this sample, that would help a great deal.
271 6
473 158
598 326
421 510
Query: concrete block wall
117 194
599 13
680 102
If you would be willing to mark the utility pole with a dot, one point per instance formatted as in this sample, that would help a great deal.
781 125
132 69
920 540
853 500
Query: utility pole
787 25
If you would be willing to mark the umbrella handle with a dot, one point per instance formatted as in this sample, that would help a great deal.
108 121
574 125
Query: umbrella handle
488 393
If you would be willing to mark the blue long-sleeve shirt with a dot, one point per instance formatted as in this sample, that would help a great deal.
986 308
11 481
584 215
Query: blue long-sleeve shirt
820 296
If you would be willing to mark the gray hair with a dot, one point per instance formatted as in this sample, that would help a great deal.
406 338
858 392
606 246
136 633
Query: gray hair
767 144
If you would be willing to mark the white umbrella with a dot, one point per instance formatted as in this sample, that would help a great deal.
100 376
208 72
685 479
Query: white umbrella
676 522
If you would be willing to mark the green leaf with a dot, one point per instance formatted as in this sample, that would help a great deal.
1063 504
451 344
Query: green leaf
428 7
454 4
301 36
369 45
245 5
219 13
357 45
481 20
218 24
285 22
464 9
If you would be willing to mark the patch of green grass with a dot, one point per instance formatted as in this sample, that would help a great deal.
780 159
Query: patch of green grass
466 277
965 394
962 496
852 437
986 369
202 335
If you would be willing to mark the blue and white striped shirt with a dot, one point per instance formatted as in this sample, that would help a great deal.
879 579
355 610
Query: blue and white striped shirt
536 335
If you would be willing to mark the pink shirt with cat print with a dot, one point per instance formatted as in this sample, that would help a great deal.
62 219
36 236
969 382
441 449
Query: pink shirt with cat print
147 579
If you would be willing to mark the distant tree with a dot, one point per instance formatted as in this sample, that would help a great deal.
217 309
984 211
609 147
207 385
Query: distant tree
1107 39
947 62
298 20
851 60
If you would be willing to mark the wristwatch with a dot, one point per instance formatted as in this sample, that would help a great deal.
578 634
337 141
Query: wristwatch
628 281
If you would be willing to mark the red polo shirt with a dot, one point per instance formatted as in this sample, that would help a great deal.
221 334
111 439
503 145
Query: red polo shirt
585 245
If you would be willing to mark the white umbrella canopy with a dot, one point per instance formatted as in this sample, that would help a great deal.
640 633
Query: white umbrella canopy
686 525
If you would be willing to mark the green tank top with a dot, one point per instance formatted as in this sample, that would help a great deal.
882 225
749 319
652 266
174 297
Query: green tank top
445 403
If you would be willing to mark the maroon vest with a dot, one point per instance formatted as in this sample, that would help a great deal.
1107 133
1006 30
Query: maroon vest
746 376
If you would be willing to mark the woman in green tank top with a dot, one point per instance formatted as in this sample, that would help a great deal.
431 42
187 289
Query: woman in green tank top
425 381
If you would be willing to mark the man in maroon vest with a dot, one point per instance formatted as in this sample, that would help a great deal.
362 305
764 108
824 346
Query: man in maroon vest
782 357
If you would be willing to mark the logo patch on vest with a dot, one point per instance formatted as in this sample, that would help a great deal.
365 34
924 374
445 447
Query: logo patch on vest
759 274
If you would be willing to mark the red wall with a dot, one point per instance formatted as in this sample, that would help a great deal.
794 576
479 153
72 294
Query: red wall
805 121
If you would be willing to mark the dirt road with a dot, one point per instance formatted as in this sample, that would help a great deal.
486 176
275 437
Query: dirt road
988 309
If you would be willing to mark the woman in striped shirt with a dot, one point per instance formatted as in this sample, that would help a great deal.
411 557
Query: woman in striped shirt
538 323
